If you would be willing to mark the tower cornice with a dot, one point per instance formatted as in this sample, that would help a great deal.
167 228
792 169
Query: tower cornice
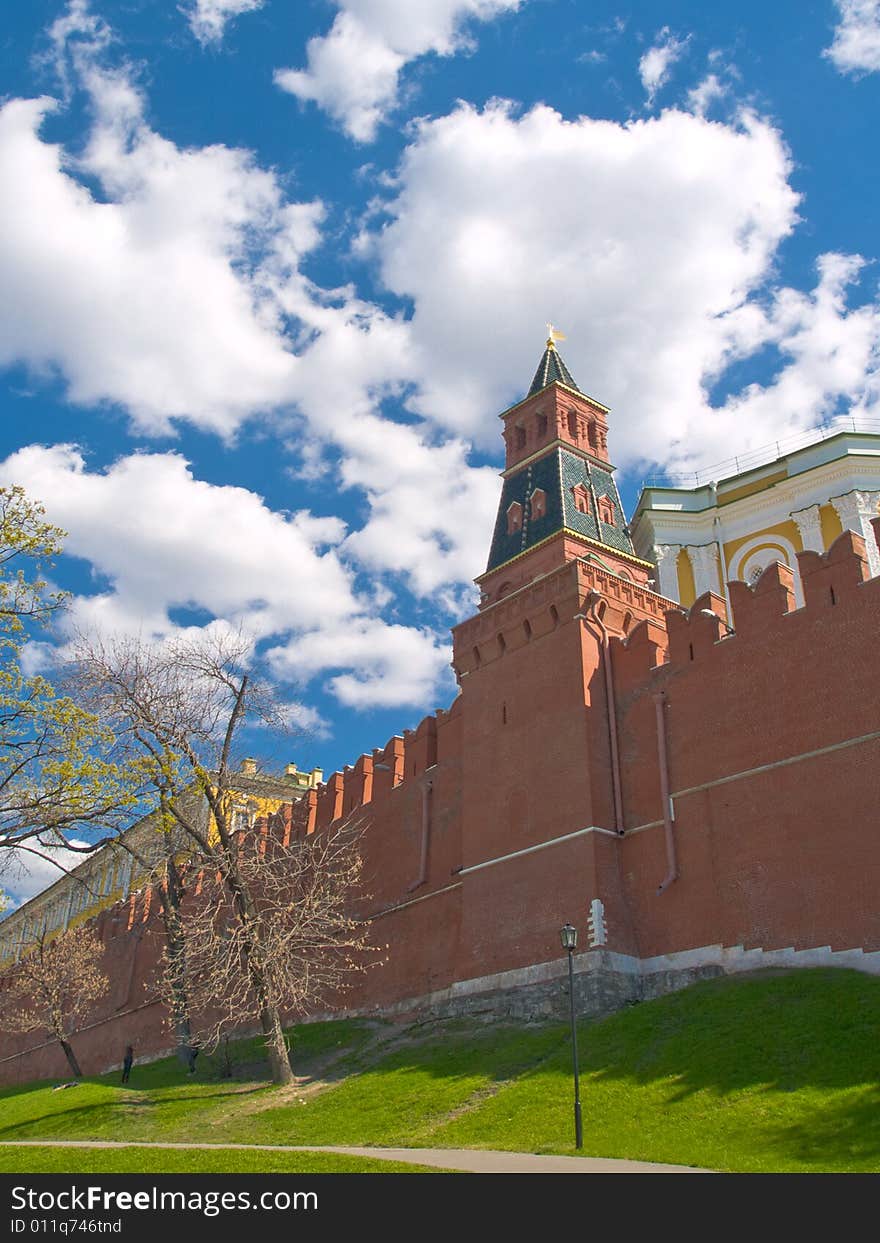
564 388
556 444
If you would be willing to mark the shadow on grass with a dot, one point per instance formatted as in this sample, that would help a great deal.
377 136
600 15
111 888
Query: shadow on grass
840 1136
802 1029
87 1119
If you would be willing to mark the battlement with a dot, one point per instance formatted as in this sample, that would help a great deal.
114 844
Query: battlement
837 577
548 602
373 778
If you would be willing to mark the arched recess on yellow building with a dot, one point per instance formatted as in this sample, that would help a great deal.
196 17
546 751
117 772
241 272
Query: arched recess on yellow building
757 553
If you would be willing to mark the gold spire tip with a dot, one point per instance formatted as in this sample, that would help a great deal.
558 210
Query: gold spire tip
553 336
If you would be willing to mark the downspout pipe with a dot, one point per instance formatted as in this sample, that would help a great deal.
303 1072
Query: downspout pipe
591 602
427 791
666 797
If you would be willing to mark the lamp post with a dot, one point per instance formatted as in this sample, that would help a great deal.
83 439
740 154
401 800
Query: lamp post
569 938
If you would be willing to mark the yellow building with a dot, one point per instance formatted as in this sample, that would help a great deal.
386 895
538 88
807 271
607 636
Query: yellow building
122 867
768 506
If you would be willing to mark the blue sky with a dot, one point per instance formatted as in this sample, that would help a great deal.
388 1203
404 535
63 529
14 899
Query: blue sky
271 271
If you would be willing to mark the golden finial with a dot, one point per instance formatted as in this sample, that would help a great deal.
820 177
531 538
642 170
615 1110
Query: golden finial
553 336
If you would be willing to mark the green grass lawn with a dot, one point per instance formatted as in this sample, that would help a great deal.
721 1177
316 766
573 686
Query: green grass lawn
39 1160
771 1072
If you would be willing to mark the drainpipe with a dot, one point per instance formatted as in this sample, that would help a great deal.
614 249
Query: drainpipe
427 788
592 602
668 807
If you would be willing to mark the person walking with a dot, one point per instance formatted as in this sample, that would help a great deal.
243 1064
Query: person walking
126 1063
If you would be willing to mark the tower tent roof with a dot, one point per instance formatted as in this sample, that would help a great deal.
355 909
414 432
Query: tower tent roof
550 368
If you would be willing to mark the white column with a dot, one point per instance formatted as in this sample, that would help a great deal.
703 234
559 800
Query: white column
809 523
855 510
666 556
704 560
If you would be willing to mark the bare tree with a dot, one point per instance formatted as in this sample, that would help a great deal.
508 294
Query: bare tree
299 915
54 986
179 707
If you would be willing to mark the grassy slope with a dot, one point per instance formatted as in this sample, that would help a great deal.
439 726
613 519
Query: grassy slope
762 1073
192 1161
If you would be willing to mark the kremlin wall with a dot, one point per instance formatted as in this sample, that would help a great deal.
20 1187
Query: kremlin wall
697 791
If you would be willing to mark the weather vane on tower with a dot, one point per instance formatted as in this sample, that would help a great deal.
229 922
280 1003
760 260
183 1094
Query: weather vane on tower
553 335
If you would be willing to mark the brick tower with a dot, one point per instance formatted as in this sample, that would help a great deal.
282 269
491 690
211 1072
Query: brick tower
541 800
559 501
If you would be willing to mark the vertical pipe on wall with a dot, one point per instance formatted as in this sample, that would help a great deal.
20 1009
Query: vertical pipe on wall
591 602
668 808
427 789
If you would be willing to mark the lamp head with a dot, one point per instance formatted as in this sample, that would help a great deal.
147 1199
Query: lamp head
569 937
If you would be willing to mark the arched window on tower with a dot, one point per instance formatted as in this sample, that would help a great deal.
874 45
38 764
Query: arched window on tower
519 438
572 425
538 503
514 517
541 425
605 505
592 436
581 494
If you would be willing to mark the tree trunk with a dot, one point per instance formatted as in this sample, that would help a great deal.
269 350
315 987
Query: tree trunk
71 1058
175 945
279 1058
270 1019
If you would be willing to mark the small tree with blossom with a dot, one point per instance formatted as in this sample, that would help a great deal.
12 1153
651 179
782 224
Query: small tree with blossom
54 986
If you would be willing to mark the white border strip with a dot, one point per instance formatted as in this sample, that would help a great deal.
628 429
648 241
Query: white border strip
529 850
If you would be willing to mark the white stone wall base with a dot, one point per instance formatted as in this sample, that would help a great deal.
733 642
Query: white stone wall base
648 977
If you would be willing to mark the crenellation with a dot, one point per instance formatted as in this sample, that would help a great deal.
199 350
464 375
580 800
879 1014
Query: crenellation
695 633
828 577
358 784
637 654
756 607
421 747
330 799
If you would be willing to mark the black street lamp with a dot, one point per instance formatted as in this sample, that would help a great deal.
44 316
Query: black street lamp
569 938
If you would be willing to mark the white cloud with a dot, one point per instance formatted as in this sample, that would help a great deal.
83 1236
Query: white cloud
856 46
353 71
151 299
651 244
76 32
389 664
166 540
24 874
705 93
830 351
208 18
177 294
425 506
657 62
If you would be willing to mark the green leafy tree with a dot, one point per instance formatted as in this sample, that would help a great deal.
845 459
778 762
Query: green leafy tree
58 772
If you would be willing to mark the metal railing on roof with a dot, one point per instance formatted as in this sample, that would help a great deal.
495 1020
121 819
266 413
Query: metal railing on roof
763 456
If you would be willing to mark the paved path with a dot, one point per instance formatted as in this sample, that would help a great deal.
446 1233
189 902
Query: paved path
470 1160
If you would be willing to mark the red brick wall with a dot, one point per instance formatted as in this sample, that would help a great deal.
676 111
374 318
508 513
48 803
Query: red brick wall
785 856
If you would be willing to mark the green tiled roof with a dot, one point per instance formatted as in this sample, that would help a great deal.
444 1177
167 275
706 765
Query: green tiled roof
550 368
558 473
